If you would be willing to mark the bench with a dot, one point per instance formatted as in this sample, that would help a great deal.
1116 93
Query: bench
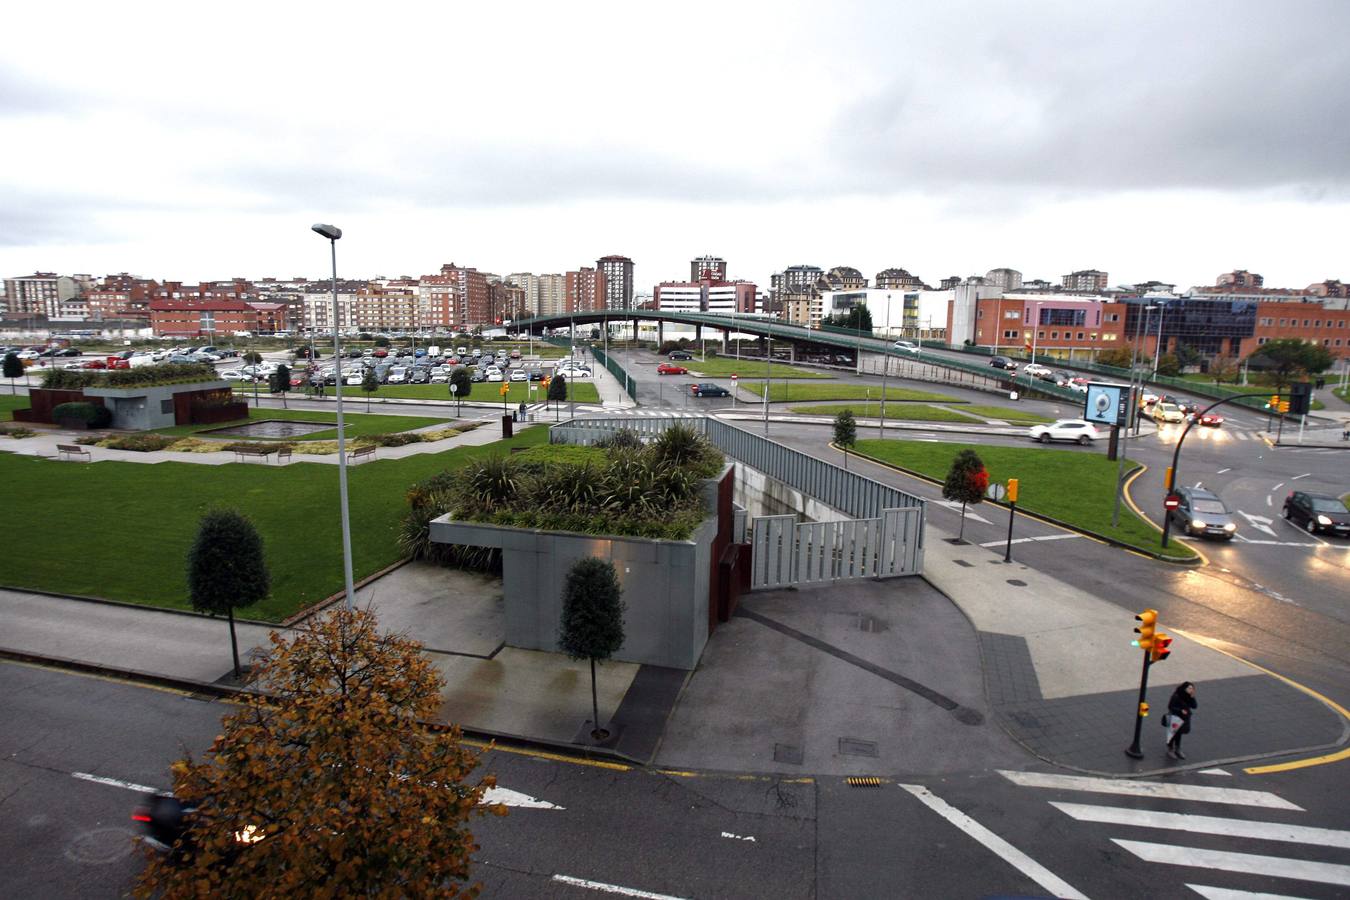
72 451
360 453
283 455
241 455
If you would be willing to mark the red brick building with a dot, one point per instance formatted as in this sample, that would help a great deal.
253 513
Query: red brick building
455 298
585 290
183 318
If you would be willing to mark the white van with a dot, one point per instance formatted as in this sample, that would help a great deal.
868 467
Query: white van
433 350
398 374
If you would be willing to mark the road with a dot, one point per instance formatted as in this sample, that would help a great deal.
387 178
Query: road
686 835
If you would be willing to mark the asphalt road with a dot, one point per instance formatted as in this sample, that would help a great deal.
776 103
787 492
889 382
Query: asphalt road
686 835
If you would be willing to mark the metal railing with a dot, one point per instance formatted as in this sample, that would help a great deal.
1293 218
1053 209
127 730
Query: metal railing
616 370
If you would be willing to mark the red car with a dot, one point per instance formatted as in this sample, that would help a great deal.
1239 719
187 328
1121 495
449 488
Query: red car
1213 420
668 369
381 353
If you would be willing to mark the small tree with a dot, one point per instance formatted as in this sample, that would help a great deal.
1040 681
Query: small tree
281 382
1223 368
1169 365
1287 358
592 620
226 568
966 481
382 342
370 384
13 368
845 432
557 388
333 782
463 385
1116 358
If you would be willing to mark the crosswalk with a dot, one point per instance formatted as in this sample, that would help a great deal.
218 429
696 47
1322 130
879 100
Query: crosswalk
1126 821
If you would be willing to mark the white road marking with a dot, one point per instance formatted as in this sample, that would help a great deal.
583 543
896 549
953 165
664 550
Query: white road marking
1241 436
113 782
1221 471
956 507
1260 523
1216 771
496 795
1199 484
1010 854
1218 893
1027 540
1268 501
1297 477
1304 531
1240 828
611 888
1247 863
1281 543
1276 487
738 837
1161 790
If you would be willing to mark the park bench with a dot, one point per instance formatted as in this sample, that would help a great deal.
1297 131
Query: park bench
243 454
72 451
283 455
360 453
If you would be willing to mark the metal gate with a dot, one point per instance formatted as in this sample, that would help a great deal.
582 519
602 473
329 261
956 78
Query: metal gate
785 553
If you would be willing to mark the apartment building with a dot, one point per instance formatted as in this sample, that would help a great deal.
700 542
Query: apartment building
456 297
1007 279
617 272
552 294
712 268
585 290
1084 281
39 294
705 295
897 280
529 288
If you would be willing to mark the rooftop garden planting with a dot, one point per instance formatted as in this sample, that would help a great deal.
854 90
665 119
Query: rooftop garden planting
147 376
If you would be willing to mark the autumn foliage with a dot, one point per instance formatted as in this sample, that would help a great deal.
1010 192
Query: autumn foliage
342 792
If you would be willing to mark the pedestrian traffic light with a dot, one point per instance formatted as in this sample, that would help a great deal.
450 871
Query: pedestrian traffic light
1012 490
1162 648
1148 621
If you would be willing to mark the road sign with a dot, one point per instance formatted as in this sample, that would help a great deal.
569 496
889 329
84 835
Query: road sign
454 388
734 376
1171 502
995 491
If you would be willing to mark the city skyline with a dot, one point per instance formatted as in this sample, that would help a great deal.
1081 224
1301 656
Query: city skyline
947 142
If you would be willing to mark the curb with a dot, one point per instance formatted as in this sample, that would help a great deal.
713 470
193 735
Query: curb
225 692
1105 539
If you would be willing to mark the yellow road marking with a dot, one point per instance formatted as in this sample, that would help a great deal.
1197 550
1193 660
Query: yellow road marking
492 746
1298 763
1204 560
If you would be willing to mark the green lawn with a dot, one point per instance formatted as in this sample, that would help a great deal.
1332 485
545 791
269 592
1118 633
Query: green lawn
1016 416
780 392
1260 390
485 391
11 402
1077 488
1343 393
899 411
724 367
122 530
355 424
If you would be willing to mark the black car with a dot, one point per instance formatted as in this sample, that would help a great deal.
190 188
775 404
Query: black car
680 354
1317 512
1002 362
709 390
419 376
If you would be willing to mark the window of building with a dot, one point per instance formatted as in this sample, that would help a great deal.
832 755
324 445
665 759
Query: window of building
1054 335
979 314
1261 340
1282 322
1092 336
1012 314
1109 337
1317 324
1080 335
1113 317
1305 322
1009 334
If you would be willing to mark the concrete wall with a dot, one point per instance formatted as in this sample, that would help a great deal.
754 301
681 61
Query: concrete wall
665 585
144 408
764 496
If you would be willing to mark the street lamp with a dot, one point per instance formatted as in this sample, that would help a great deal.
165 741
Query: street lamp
1157 349
332 233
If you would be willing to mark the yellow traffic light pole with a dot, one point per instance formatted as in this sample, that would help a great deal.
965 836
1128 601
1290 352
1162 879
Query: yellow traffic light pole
1148 623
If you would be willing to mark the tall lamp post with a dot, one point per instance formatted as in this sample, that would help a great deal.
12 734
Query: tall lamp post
332 232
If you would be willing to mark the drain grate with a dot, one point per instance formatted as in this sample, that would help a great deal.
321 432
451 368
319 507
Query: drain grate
1017 582
863 781
962 562
856 747
787 753
872 625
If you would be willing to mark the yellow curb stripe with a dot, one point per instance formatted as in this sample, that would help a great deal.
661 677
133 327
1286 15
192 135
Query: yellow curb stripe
1125 491
492 746
1298 763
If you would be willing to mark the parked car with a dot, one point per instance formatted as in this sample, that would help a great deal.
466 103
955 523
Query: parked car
906 346
234 375
668 369
1002 362
1167 413
461 351
709 390
519 375
1317 512
1202 513
353 379
398 374
440 378
680 354
494 375
1076 430
536 374
515 354
477 376
419 376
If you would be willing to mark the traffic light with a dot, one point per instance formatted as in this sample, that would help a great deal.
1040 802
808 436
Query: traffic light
1284 407
1162 648
1148 621
1300 397
1012 490
1275 401
1143 709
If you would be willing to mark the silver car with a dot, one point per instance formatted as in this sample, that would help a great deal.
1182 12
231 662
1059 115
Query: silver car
1201 513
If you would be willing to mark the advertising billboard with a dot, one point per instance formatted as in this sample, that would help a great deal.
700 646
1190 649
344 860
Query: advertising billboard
1107 404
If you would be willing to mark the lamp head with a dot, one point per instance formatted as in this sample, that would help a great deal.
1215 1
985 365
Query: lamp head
332 232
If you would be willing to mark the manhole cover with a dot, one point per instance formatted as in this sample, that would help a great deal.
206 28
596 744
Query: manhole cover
871 625
786 753
101 846
1017 582
272 429
962 562
855 747
967 716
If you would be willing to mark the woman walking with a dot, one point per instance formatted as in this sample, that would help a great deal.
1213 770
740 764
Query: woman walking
1180 708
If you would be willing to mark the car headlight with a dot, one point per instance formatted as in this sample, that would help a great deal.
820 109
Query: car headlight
1323 520
1230 527
1197 524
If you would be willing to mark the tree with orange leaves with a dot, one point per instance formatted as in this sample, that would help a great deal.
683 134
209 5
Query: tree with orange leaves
329 783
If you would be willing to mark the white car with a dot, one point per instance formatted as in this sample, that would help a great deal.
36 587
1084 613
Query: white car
233 375
519 375
354 379
460 351
1036 370
494 376
439 378
27 354
1076 430
398 375
906 346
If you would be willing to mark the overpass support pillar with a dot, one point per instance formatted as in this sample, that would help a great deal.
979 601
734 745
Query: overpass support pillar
660 333
635 333
726 341
698 332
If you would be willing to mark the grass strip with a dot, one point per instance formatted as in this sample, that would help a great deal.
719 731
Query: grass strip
898 411
137 552
11 402
1073 487
723 367
1017 416
797 393
354 424
483 392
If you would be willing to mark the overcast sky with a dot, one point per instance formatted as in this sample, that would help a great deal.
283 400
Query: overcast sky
1168 141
